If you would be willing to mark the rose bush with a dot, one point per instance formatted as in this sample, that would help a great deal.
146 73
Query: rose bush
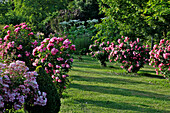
19 86
100 52
131 54
160 57
55 55
17 43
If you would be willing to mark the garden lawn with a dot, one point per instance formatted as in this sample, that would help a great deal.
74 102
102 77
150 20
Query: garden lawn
96 89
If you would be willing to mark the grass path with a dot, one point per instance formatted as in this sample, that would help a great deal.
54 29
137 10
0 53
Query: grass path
94 89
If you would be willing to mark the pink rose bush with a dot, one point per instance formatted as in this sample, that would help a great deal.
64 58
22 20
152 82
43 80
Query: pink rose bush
16 43
18 86
131 54
100 51
55 55
160 57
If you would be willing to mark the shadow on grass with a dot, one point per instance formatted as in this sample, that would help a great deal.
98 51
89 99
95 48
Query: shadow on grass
121 91
115 73
121 106
98 72
107 80
89 66
106 72
96 67
84 58
146 73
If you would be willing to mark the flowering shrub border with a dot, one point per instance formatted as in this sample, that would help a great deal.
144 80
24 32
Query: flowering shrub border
160 57
100 52
17 44
54 54
131 54
19 86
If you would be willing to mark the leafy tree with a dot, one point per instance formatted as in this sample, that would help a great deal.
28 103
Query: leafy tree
157 15
107 30
126 15
35 11
89 9
144 19
5 7
31 11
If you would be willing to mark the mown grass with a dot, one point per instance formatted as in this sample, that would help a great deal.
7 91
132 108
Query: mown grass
96 89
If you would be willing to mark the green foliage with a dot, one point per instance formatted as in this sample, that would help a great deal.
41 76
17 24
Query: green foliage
82 44
36 11
7 16
11 17
80 32
126 15
5 7
46 85
137 19
30 11
107 30
157 15
57 17
89 9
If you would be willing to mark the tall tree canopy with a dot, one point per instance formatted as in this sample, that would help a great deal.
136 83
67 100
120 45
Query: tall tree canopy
142 19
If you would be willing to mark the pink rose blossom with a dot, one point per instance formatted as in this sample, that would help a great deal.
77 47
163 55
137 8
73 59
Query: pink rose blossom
50 65
19 55
6 26
54 51
119 41
64 76
68 66
57 71
59 81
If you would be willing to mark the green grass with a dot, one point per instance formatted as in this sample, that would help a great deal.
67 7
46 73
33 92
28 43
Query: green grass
95 89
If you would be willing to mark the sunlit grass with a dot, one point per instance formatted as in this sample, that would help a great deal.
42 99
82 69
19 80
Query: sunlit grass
96 89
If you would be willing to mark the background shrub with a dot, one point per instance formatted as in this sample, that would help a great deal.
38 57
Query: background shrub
107 30
144 19
131 54
160 57
89 9
100 52
80 33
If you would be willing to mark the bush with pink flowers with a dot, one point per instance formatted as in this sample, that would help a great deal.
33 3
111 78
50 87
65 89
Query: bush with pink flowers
100 52
19 86
131 54
16 43
160 57
55 55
